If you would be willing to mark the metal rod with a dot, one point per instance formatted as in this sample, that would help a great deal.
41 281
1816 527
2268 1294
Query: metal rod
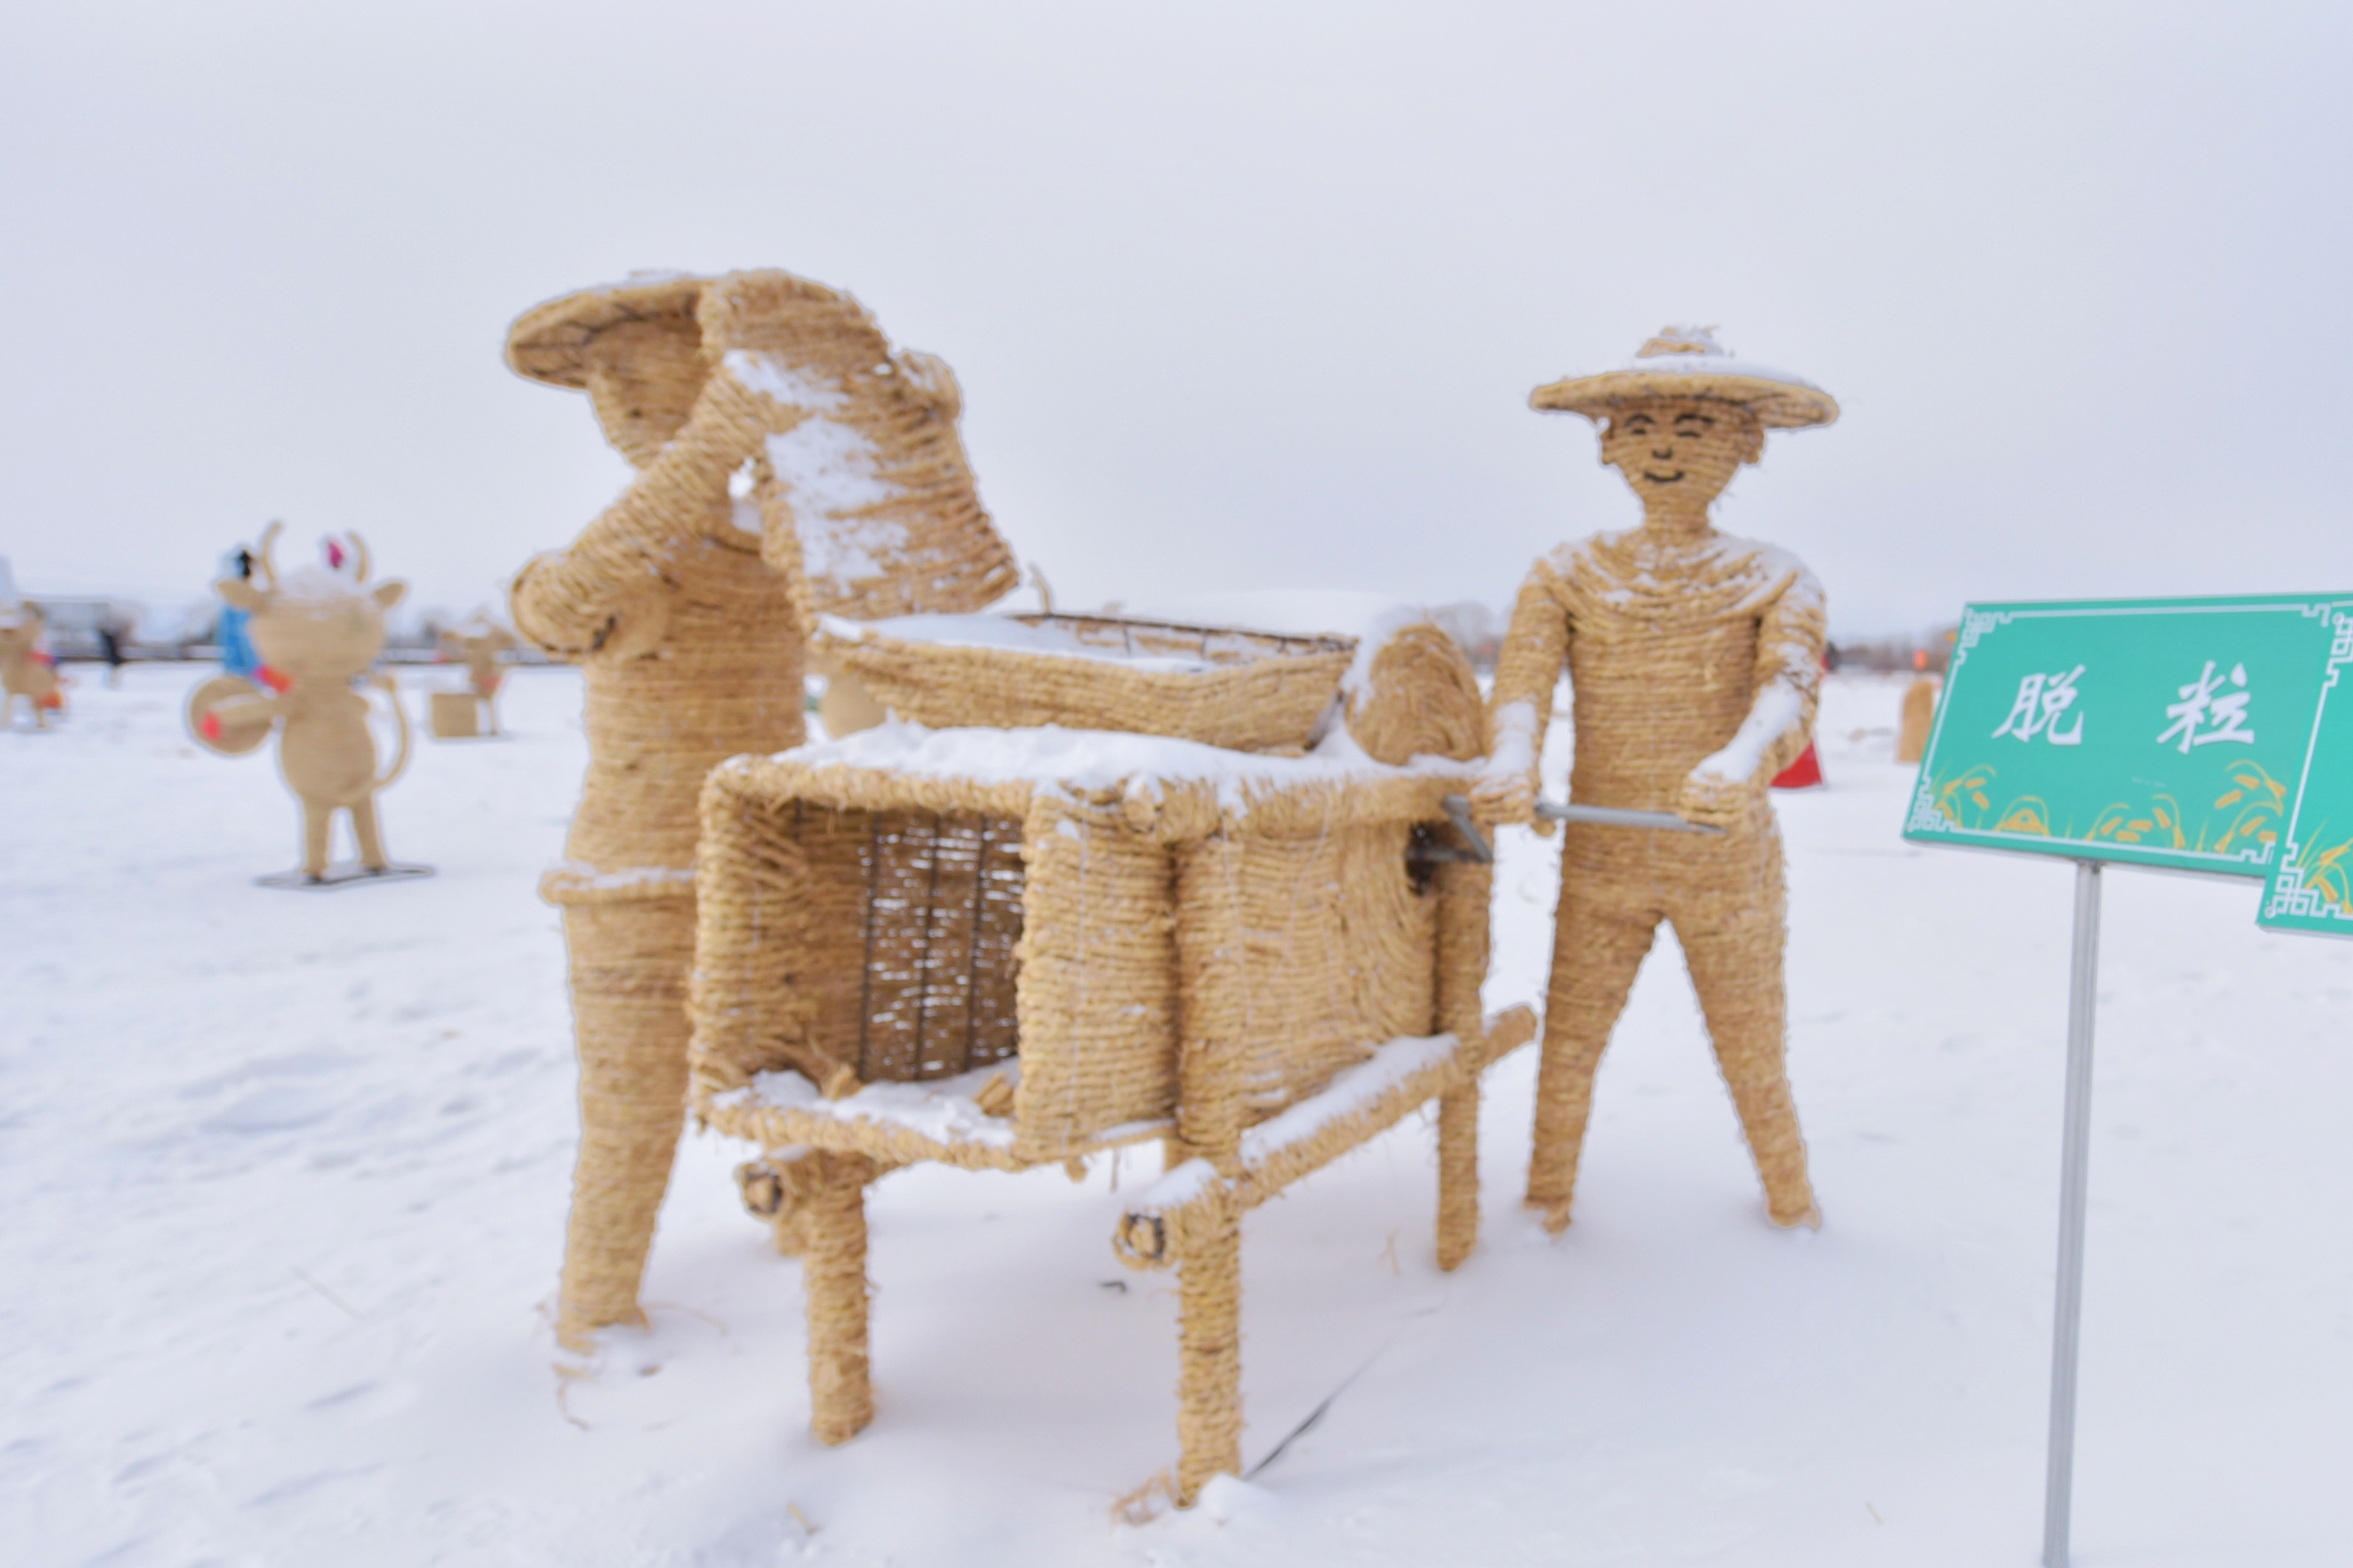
2058 1496
1458 811
1620 816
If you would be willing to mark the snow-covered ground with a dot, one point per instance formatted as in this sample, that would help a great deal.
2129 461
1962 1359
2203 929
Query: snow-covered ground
284 1177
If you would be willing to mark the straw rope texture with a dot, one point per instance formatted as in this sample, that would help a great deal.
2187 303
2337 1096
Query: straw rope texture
1920 718
1264 691
1695 660
1161 958
685 605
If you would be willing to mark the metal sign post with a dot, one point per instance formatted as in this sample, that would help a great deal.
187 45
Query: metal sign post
2074 1160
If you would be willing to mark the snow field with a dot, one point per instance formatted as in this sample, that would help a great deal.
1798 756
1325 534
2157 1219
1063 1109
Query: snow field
285 1177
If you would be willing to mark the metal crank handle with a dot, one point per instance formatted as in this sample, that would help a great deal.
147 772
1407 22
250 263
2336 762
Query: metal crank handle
1621 817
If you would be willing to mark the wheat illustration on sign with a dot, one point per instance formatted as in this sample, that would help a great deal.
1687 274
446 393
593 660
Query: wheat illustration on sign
2207 713
2042 700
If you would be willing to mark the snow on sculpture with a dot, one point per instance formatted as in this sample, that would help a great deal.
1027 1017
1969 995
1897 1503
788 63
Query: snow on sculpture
317 631
1695 659
790 462
1122 893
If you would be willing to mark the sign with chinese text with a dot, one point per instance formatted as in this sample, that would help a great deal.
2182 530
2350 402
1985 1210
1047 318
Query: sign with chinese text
2309 886
2155 731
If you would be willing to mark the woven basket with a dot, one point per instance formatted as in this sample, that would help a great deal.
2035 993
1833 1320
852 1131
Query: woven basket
1240 689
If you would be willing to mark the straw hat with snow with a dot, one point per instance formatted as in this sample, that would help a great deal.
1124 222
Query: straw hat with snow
1687 362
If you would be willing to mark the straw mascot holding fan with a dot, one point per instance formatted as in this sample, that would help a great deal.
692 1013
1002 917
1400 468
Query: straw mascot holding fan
1695 658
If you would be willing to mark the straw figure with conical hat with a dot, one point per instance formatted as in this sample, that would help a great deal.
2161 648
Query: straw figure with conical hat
1695 660
790 461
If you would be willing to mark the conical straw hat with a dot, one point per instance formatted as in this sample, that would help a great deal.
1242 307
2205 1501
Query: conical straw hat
1687 362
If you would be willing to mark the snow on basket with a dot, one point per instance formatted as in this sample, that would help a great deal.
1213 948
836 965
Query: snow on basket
998 949
1241 689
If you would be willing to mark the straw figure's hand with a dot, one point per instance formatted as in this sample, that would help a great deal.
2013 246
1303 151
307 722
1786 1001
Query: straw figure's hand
1505 798
1712 800
383 681
608 593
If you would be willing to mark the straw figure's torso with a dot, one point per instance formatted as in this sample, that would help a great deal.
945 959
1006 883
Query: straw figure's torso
707 668
326 752
1668 640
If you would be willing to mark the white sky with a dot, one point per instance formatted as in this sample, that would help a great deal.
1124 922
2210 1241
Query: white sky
1241 296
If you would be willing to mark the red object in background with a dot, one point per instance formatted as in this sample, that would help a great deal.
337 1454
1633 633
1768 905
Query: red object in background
211 726
273 680
1806 772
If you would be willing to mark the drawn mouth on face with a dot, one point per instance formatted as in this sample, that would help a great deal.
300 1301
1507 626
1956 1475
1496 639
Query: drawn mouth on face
1663 478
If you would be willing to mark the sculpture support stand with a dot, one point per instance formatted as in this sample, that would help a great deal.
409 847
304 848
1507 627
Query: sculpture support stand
833 1272
1463 891
2074 1179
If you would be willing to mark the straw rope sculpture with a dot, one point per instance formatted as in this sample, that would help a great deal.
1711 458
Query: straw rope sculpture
1696 662
25 672
790 463
1002 949
317 631
478 646
1920 718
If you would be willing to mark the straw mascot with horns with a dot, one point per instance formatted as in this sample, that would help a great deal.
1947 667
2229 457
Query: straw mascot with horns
317 631
790 461
1695 659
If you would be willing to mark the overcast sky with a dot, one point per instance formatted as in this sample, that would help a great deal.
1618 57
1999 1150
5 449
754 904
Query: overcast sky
1246 296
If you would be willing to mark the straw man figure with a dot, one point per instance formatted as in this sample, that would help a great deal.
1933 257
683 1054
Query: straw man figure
789 462
1696 662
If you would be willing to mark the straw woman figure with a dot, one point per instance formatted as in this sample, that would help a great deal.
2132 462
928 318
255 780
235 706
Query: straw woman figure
789 461
1695 661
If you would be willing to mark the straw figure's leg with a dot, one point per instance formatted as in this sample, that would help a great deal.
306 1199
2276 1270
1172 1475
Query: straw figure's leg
629 963
1736 967
1464 891
1597 946
317 819
833 1272
363 829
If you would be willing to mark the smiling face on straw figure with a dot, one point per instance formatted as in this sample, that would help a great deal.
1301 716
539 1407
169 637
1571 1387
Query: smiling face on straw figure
1678 453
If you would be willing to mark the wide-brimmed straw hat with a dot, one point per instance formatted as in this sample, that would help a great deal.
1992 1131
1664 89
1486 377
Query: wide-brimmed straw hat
1687 362
549 342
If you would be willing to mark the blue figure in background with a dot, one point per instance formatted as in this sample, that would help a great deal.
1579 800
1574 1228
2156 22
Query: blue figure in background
237 656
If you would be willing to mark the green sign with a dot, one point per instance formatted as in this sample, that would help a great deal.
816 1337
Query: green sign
2312 877
2155 732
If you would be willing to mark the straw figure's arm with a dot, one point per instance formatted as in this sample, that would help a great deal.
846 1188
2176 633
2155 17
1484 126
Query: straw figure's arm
1536 647
1792 628
572 602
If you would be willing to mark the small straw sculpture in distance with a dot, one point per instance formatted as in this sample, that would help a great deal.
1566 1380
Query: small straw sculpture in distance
317 632
938 947
478 646
1920 718
1695 660
687 606
26 673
